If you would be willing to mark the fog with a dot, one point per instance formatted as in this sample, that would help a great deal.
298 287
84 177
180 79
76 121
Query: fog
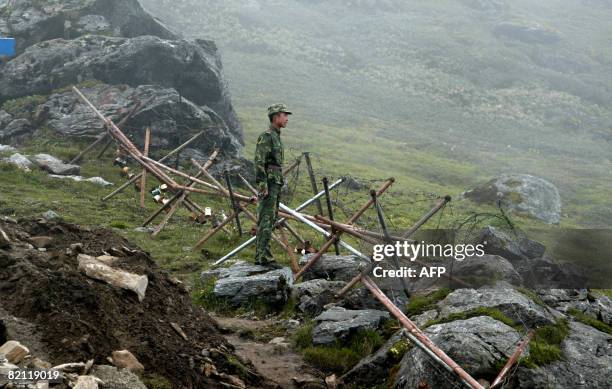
510 86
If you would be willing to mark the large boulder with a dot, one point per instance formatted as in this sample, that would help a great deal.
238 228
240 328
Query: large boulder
510 302
587 357
15 130
333 267
55 166
522 193
192 67
19 160
272 287
32 21
338 324
313 295
172 119
478 345
498 242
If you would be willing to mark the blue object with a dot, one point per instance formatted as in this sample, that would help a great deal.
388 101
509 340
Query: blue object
7 47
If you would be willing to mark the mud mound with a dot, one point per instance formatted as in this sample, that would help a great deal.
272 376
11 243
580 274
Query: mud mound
80 318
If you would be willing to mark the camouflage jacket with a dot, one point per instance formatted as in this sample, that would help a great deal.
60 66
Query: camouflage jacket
269 157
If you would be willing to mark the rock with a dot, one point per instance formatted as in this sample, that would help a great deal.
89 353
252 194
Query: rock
54 166
338 323
7 149
172 118
31 23
192 67
72 367
41 241
603 305
76 247
529 32
545 272
14 351
238 269
510 302
499 243
5 241
118 278
144 229
272 287
15 130
313 295
522 193
476 271
333 267
19 160
374 368
114 378
50 215
94 180
5 118
587 357
124 359
87 382
478 345
331 381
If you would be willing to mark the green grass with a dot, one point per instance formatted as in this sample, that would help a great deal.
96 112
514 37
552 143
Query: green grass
419 303
340 357
532 295
155 381
545 347
480 311
591 321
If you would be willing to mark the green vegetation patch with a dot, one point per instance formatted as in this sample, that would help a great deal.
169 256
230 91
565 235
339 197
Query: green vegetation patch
23 107
591 321
419 304
339 357
480 311
545 347
155 381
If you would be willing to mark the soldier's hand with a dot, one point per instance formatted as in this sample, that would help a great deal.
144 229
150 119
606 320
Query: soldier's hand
263 194
262 191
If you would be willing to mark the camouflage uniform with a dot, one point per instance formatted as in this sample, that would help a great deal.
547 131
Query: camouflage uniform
269 157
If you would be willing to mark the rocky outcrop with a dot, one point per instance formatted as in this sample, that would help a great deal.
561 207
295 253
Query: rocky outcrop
477 344
55 166
243 283
172 119
497 242
31 21
587 357
510 302
19 160
312 296
193 68
522 193
337 324
374 368
333 267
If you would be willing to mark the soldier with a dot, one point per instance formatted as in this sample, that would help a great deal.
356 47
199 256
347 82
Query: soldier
269 156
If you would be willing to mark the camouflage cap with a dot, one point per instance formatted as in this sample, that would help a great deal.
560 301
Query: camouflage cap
276 108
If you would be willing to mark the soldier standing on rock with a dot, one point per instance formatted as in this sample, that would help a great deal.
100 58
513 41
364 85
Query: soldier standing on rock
269 156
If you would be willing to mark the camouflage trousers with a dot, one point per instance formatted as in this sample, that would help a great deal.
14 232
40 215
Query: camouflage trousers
267 211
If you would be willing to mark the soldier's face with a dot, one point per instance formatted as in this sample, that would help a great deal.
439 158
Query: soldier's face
280 120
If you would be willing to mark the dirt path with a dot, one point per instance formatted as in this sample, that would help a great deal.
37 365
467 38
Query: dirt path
277 362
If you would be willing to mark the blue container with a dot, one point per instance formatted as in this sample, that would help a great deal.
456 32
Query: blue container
7 47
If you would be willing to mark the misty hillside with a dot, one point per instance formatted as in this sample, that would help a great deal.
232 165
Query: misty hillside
492 73
501 86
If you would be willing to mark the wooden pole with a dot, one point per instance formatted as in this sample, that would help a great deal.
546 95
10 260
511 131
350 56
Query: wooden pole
136 177
313 181
423 339
330 211
143 181
228 181
98 140
512 360
293 165
106 146
383 226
